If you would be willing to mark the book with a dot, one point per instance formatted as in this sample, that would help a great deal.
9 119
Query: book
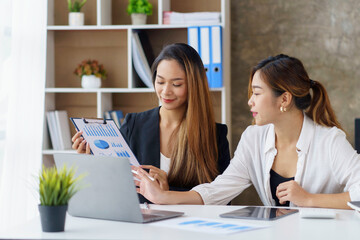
63 127
50 116
146 45
116 115
171 17
140 61
59 129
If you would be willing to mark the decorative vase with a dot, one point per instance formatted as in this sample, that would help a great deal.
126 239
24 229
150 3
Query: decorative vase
76 18
53 218
138 18
90 81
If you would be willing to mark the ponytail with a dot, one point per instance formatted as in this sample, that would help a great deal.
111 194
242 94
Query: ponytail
287 74
320 110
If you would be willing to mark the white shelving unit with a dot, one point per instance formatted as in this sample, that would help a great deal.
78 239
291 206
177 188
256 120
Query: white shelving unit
106 37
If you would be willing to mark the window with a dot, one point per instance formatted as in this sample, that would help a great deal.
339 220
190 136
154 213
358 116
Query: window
5 49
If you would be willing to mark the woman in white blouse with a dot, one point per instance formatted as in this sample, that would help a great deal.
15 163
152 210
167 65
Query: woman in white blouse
296 153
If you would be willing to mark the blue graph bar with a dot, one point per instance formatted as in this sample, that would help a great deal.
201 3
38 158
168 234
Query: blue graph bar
122 154
109 130
100 130
116 145
96 133
86 130
112 129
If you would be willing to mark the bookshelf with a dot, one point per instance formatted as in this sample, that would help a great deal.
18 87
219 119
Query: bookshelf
106 37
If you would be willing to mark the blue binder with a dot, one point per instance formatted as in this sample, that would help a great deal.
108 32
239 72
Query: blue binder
216 57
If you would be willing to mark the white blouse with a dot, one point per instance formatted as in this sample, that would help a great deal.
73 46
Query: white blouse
327 163
164 163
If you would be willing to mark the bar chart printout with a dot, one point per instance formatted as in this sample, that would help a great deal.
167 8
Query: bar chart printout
104 139
207 225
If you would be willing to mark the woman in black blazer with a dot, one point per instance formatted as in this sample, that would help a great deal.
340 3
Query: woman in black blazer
142 132
179 143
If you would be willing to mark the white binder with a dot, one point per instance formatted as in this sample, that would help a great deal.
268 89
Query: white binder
205 50
193 37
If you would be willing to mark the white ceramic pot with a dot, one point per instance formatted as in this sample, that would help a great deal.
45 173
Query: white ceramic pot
138 18
76 18
90 81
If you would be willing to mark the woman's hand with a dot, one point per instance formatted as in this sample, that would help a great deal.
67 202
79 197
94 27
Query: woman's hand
146 187
79 144
159 175
291 191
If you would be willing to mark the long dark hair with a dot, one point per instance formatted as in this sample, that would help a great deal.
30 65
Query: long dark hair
194 149
287 74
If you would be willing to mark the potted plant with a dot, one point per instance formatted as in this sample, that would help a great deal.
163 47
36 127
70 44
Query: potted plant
76 18
139 9
55 190
91 73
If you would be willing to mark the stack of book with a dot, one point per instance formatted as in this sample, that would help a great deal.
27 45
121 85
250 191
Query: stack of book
170 17
58 123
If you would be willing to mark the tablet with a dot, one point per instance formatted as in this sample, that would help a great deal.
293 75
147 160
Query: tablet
259 213
354 205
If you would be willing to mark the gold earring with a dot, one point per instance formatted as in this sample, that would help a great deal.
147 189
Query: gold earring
284 109
281 109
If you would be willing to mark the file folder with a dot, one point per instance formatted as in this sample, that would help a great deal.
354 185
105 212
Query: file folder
205 43
193 37
216 57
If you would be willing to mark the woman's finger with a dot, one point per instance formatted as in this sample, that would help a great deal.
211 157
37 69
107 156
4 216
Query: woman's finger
143 175
76 136
88 150
81 147
137 183
77 143
150 167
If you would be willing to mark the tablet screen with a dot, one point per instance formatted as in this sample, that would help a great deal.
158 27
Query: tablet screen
259 213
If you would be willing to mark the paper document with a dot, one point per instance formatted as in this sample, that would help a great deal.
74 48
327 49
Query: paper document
207 225
104 138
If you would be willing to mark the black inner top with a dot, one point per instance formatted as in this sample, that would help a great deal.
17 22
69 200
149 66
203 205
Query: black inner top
275 180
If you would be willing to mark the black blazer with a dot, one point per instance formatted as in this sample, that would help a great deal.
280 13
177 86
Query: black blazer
141 132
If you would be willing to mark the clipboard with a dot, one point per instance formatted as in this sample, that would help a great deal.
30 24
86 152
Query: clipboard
104 138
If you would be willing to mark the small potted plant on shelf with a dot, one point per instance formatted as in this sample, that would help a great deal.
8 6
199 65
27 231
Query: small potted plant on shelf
55 190
91 73
139 9
76 18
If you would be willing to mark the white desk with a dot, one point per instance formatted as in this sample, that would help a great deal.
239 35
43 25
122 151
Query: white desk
345 226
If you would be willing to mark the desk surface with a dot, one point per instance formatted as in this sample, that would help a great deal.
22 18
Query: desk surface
345 226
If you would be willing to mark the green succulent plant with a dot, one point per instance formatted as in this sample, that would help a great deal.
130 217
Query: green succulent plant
76 6
57 187
139 6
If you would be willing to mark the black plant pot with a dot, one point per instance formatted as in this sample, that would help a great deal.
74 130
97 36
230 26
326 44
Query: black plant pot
53 218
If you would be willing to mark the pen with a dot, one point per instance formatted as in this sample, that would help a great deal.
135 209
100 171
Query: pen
151 178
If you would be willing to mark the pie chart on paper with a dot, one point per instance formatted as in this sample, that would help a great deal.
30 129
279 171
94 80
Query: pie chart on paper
101 144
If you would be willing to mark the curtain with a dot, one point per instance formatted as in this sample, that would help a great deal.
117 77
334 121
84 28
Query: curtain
26 78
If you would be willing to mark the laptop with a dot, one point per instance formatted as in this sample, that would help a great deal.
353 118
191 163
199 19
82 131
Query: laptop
108 190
